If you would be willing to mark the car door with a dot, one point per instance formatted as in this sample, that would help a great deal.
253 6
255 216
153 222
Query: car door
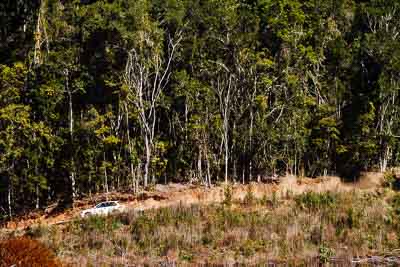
107 208
100 209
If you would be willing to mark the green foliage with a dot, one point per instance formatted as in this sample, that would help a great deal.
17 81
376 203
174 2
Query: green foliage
142 230
228 195
249 198
313 90
316 201
395 203
353 218
325 253
389 179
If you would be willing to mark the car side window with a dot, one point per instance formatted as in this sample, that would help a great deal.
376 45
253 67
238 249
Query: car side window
106 204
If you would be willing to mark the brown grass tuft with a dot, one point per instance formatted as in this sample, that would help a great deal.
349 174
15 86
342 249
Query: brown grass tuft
26 252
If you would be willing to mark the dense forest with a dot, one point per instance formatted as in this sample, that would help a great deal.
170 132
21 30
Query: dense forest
102 95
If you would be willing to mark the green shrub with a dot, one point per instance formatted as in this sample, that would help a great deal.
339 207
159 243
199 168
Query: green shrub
389 179
94 223
143 230
165 216
325 253
249 198
227 218
126 218
270 202
37 231
316 201
208 233
353 218
395 205
185 215
185 255
248 248
101 223
228 195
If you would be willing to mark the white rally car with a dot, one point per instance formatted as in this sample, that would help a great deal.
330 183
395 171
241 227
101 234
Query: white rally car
103 208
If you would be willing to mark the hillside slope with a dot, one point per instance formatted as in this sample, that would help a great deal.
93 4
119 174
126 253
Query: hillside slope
175 194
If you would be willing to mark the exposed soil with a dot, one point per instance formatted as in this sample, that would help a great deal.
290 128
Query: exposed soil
175 194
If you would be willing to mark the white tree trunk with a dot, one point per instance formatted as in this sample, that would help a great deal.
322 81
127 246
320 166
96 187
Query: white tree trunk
105 174
9 199
208 171
383 161
226 157
71 130
90 184
223 90
251 144
146 77
199 167
147 163
37 196
132 169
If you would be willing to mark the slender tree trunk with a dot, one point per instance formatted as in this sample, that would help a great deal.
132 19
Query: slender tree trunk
71 133
186 120
295 161
132 169
225 136
132 176
37 184
138 175
90 184
199 166
235 176
113 176
37 196
251 144
208 172
224 94
9 198
147 163
226 156
40 34
207 165
105 174
383 162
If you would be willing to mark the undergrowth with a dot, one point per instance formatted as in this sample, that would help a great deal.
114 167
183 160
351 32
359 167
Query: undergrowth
308 225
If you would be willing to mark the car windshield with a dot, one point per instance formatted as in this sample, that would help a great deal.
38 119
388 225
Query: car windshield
106 204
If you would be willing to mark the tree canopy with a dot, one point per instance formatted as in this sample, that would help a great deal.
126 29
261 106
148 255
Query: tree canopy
102 95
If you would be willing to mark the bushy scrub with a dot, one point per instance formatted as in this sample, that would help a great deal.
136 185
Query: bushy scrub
316 201
26 252
320 224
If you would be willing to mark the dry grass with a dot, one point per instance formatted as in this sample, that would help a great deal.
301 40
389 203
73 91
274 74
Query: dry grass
285 228
173 194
